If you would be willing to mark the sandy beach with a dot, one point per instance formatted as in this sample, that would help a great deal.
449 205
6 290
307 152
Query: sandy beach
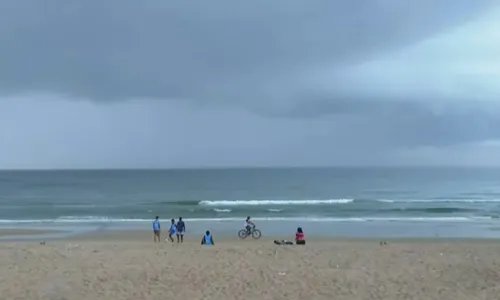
130 266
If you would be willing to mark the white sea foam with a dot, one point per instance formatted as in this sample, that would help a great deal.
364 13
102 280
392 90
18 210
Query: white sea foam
439 200
91 219
222 210
88 219
273 202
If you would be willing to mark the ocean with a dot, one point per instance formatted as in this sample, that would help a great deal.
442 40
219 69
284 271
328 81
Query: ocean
341 201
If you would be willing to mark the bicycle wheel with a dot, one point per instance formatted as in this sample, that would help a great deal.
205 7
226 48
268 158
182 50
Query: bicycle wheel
256 234
242 234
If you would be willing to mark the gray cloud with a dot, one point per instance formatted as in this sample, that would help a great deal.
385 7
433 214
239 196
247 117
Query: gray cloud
409 123
247 83
202 50
426 128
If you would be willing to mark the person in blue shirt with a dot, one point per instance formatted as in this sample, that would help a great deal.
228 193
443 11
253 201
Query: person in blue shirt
156 230
207 239
172 231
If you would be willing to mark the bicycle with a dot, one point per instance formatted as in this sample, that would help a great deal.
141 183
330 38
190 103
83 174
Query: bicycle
255 233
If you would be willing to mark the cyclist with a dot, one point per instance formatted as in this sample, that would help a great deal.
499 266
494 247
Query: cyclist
249 225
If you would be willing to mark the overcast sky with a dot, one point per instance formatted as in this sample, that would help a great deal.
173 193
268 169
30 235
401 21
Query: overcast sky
159 84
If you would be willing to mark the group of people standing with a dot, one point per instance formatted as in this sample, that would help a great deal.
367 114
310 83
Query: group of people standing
176 229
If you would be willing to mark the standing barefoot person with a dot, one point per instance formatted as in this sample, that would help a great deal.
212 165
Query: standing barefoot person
156 230
172 231
181 229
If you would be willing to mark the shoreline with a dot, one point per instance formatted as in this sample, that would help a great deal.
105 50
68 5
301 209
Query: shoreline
330 230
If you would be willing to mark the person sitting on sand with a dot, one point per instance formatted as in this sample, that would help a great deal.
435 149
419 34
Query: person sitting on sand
207 239
249 225
156 230
172 231
300 238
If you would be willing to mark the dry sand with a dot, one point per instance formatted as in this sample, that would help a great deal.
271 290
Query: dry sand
135 268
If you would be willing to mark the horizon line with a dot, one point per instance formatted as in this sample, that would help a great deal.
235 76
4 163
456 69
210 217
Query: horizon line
250 168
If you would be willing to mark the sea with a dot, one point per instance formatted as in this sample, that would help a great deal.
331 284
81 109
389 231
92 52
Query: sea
341 202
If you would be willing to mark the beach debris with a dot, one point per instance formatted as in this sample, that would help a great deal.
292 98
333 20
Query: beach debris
283 242
42 242
282 273
70 247
383 243
86 282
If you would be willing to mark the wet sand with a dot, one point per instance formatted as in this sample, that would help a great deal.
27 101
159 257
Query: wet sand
129 266
21 232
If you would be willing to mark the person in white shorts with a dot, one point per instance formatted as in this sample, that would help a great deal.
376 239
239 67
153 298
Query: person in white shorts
181 229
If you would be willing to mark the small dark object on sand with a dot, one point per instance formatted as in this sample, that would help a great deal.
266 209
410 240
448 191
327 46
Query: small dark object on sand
383 243
283 242
42 243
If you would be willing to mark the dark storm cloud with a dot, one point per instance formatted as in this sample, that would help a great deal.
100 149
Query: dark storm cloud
423 127
283 82
404 122
203 50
